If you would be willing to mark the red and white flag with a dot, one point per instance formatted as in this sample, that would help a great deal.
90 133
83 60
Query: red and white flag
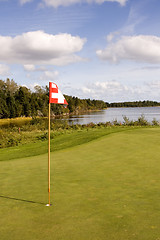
55 95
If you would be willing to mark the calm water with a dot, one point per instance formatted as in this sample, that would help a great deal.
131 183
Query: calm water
112 114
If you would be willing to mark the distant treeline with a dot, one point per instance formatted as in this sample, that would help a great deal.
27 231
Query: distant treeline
18 101
134 104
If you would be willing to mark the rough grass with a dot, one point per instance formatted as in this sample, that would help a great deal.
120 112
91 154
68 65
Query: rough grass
107 189
20 131
14 121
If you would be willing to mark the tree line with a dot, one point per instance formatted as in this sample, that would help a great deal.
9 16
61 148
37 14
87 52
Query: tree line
134 104
18 101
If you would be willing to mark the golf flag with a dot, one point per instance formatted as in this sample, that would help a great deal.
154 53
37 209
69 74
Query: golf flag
55 95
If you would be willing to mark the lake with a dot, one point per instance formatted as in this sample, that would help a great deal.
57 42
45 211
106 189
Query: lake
112 114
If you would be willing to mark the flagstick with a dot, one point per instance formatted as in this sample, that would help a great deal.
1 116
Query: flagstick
49 154
54 94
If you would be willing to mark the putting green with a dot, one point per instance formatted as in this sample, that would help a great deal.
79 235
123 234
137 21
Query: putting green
107 189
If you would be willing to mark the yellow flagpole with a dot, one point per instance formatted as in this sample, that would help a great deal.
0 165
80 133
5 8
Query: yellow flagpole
49 113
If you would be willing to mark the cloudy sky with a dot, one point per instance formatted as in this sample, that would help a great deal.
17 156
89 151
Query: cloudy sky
98 49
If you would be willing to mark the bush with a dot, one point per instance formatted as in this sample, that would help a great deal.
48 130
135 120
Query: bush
142 121
155 122
43 137
126 121
91 125
116 123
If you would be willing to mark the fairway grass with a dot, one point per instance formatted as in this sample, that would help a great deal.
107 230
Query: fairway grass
106 189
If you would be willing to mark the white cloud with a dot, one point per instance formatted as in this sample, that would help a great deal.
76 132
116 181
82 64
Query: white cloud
33 68
46 74
101 90
121 2
154 85
29 67
38 47
4 70
115 91
111 36
140 48
57 3
24 1
49 75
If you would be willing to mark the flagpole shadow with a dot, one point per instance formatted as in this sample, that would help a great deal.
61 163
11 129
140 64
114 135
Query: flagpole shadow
22 200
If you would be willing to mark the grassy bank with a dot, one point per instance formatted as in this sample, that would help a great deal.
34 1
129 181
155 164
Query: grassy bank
60 139
106 189
16 132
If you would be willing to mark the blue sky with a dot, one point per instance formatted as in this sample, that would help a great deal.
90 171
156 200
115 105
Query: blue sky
98 49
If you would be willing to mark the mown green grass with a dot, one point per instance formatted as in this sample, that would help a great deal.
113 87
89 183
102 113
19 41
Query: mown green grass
106 189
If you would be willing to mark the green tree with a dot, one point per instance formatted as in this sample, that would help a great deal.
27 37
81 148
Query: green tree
23 97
